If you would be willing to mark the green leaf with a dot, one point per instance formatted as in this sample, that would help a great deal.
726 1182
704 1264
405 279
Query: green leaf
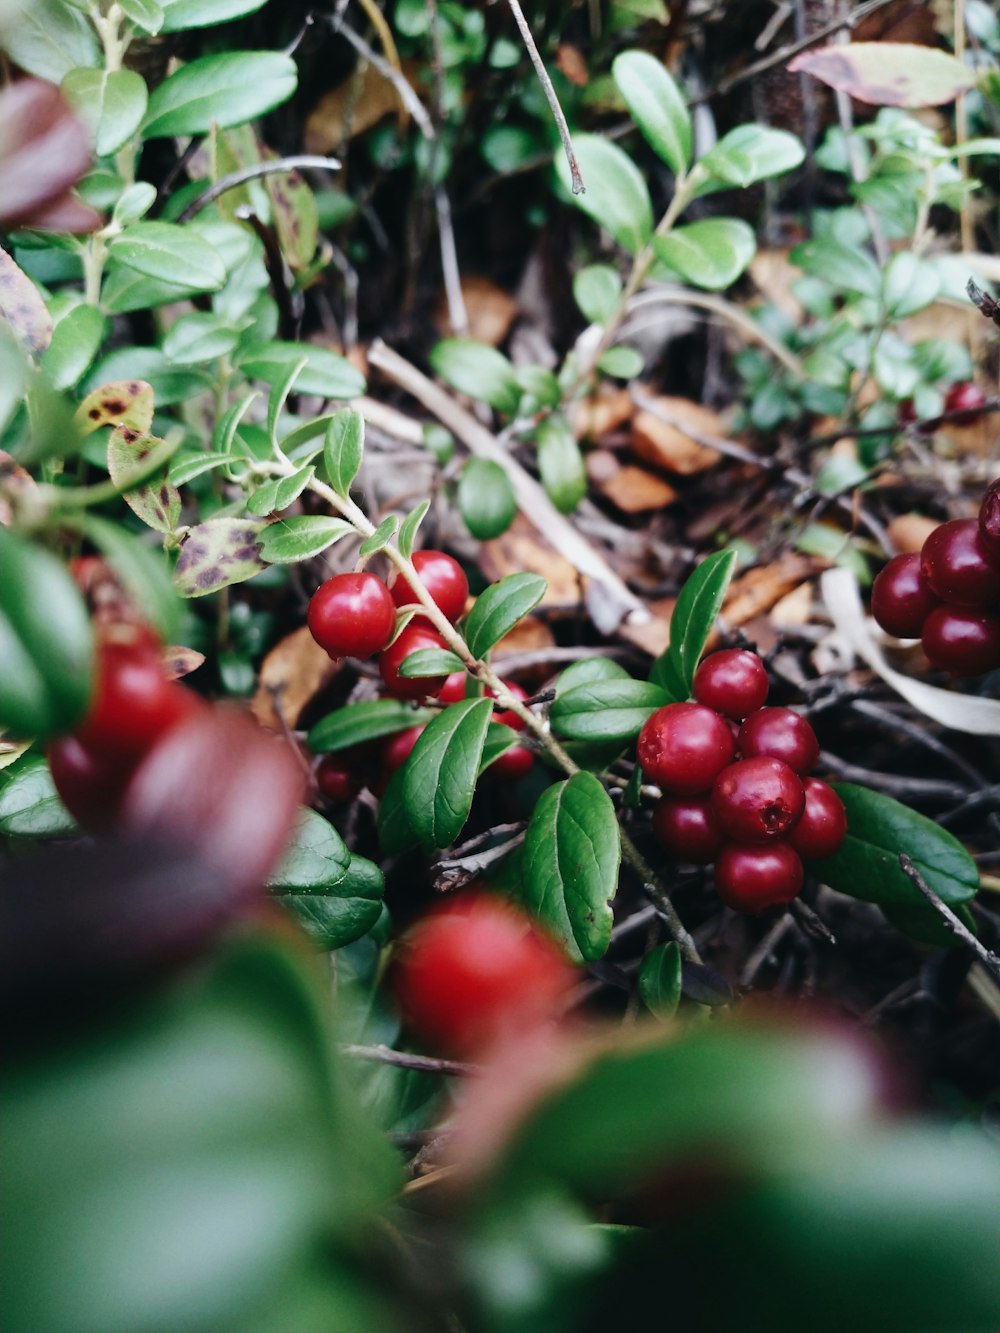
345 912
217 553
624 363
431 662
597 289
279 493
660 980
711 253
409 527
290 540
142 570
616 198
926 925
224 435
560 464
295 217
889 73
572 851
657 106
499 739
588 671
170 253
76 340
354 724
145 14
878 829
181 14
326 374
751 153
606 710
46 643
49 38
486 499
131 459
343 449
439 779
197 338
280 391
396 833
476 369
111 104
909 284
131 364
843 266
185 467
224 90
315 859
499 608
29 804
379 539
694 615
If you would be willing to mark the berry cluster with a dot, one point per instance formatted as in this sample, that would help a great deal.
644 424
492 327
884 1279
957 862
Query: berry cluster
737 791
948 594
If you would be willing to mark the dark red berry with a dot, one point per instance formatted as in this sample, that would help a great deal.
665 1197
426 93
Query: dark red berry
453 689
962 641
90 786
989 519
685 826
507 715
134 703
779 733
443 577
967 398
757 799
415 635
901 599
823 825
337 778
683 748
514 763
398 748
959 567
477 970
352 615
733 681
751 879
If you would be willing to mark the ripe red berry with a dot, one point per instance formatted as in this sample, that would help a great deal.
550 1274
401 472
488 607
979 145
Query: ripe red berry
779 733
963 641
416 635
514 763
90 786
337 779
133 704
757 799
683 748
453 689
733 681
823 825
352 615
686 826
477 970
989 519
751 879
443 577
967 398
901 599
398 748
507 716
959 567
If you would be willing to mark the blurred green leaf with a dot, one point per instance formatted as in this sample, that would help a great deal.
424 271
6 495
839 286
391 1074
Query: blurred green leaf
301 537
29 804
476 369
660 979
225 89
486 499
698 604
657 106
616 198
711 253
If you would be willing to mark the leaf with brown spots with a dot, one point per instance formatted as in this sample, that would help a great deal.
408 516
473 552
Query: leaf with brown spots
179 661
888 73
22 307
296 220
217 553
130 455
124 403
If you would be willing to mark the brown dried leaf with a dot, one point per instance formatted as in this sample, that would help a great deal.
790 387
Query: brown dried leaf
522 548
908 532
901 74
490 309
654 636
795 608
978 437
529 635
180 661
295 217
293 672
593 417
635 491
22 307
667 446
757 591
571 63
775 275
354 106
124 403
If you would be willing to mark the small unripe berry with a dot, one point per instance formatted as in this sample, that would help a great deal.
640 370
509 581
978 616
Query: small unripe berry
352 615
779 733
959 567
751 879
755 800
686 827
823 825
901 599
683 748
732 681
963 641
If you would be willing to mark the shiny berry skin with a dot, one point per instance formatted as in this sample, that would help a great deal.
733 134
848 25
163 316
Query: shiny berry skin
443 577
686 826
989 519
967 398
90 786
684 747
477 970
134 703
398 748
901 599
337 779
507 716
453 689
779 733
733 681
751 879
757 799
959 567
963 641
823 825
417 634
514 763
352 615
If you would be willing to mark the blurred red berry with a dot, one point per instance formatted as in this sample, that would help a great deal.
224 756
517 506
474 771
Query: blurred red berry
337 778
959 567
967 398
963 641
134 703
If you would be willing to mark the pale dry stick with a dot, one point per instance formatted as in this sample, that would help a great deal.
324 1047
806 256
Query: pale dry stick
385 1055
457 314
296 162
989 960
550 96
531 498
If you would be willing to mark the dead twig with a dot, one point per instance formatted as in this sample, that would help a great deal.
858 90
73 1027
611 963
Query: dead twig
989 960
550 96
427 1064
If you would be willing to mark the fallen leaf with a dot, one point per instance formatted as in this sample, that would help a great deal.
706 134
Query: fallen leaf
490 309
667 446
522 548
654 636
795 608
757 590
633 490
354 106
293 672
529 635
900 74
908 532
571 64
775 276
593 417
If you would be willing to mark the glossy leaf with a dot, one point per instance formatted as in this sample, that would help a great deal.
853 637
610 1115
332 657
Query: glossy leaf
111 103
657 106
354 724
76 340
486 499
476 369
219 552
660 980
499 608
185 467
343 913
616 198
711 253
572 852
29 804
396 832
698 604
499 739
750 153
606 710
439 779
326 374
560 464
225 89
290 540
279 493
410 526
181 14
343 449
315 859
597 289
431 662
888 73
380 538
926 924
588 671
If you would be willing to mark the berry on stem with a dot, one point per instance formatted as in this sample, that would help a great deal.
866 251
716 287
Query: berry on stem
963 641
779 733
336 779
732 681
352 615
684 747
757 799
751 879
959 567
91 786
823 825
416 635
686 826
443 577
133 703
901 599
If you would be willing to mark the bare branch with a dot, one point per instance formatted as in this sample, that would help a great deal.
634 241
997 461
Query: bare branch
550 95
989 960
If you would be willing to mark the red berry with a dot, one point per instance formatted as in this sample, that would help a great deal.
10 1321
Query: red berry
962 641
901 599
989 519
90 786
477 970
683 748
959 567
337 779
779 733
967 398
352 615
751 879
398 748
453 689
416 635
733 681
823 825
685 825
133 704
507 716
757 799
443 577
514 763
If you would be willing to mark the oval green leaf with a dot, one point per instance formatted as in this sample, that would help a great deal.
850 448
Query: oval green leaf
224 90
616 198
657 107
476 369
170 253
609 710
697 606
499 608
597 289
431 662
325 374
710 254
315 859
486 499
560 464
439 780
111 103
660 980
345 912
181 14
368 721
343 449
300 538
29 804
750 153
843 266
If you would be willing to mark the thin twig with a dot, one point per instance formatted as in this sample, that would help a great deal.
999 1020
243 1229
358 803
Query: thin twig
989 960
550 96
406 94
237 178
385 1055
